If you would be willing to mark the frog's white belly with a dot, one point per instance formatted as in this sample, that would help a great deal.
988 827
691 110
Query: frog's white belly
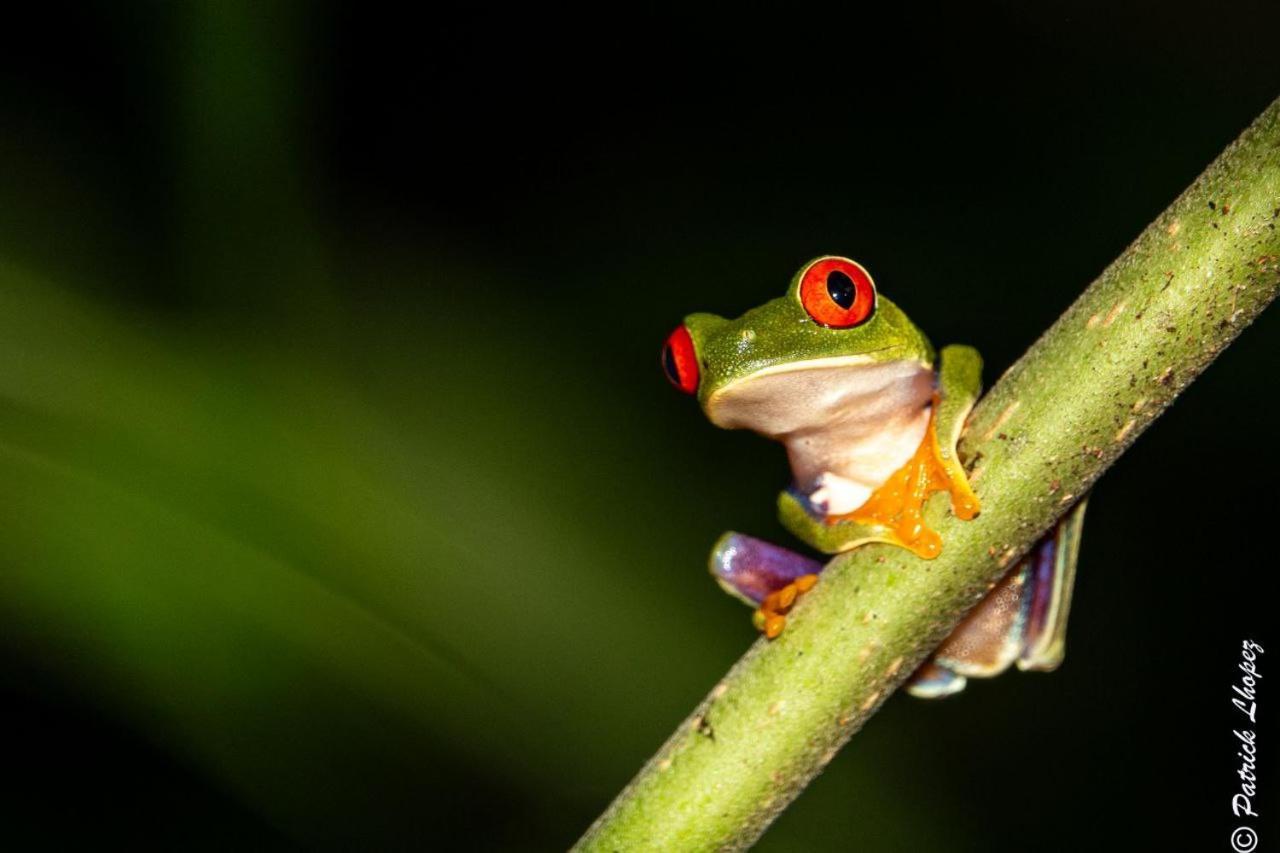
846 425
840 471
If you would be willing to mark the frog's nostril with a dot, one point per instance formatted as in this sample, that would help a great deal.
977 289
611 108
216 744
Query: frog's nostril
680 361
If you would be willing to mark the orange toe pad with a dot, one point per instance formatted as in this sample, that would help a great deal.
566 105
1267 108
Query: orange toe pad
771 618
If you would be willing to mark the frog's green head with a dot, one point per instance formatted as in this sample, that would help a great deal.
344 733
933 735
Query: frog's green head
797 359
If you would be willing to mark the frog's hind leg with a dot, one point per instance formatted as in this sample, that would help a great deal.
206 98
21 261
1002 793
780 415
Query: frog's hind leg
764 575
1045 636
1023 620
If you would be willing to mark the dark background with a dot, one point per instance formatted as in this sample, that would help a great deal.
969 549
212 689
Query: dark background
342 502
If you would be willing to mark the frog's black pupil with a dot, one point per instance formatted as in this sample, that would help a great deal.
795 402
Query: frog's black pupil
841 288
669 364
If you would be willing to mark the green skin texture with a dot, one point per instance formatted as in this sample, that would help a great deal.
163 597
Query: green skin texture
1053 423
781 333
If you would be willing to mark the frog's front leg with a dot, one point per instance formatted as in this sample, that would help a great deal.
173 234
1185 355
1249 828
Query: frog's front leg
764 575
893 512
959 386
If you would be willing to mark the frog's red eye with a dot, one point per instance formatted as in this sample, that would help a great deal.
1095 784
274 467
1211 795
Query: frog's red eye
679 361
837 293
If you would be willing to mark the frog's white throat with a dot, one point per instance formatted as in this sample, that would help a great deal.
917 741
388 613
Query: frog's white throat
847 423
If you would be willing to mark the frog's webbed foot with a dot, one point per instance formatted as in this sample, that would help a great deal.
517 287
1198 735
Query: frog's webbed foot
897 506
896 509
765 575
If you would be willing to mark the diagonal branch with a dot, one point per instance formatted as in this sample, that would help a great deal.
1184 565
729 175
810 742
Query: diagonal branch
1048 429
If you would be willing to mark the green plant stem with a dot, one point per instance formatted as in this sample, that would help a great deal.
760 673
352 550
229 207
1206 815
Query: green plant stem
1051 425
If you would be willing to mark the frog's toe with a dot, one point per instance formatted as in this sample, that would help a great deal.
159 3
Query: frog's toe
770 618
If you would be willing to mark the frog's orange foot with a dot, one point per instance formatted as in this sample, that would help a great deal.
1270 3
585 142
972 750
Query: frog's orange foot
771 617
898 504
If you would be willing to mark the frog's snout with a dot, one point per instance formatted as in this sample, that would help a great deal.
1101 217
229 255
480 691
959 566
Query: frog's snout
680 360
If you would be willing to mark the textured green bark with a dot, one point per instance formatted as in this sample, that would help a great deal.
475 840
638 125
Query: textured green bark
1106 369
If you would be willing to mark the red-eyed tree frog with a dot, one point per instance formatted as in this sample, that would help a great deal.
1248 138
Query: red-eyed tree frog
870 418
